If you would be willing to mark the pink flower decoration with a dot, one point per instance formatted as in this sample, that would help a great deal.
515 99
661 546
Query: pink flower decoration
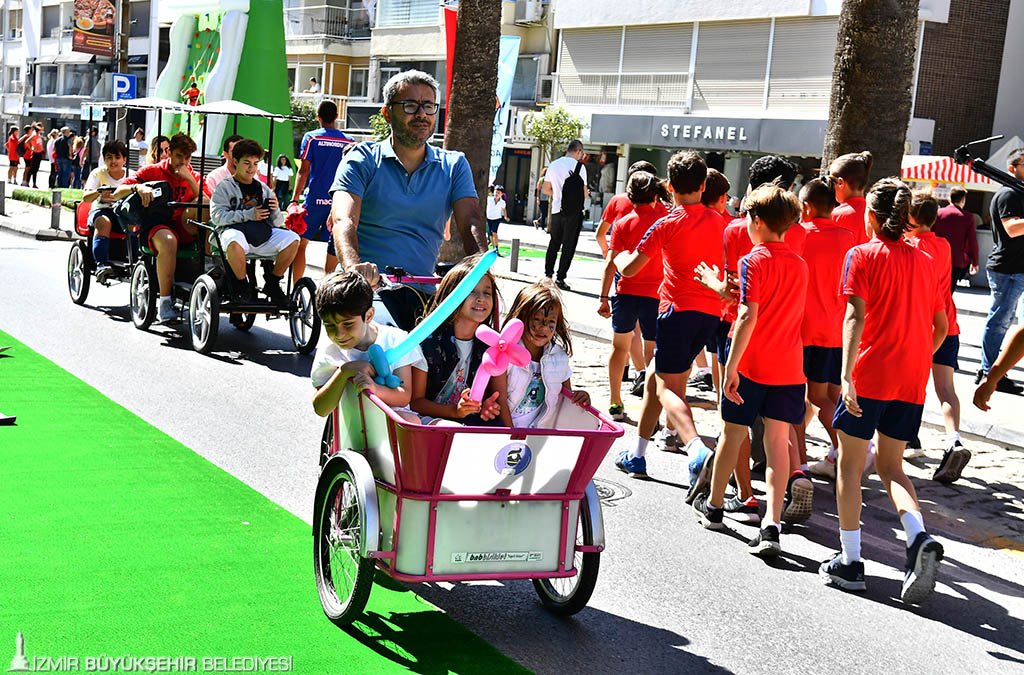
504 351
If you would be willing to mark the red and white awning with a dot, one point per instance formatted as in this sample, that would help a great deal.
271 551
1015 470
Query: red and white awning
935 169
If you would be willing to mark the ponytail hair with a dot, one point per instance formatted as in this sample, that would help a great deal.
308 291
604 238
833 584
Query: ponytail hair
889 200
854 168
820 195
643 187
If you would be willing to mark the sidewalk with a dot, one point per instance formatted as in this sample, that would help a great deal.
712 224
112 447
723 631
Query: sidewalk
1003 424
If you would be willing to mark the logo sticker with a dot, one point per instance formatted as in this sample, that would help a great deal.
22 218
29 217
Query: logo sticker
497 556
513 459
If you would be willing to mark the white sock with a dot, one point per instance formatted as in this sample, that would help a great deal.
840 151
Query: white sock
641 448
703 371
952 438
913 525
849 540
165 300
694 445
771 523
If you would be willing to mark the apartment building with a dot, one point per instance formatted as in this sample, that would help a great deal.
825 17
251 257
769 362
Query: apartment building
42 79
329 41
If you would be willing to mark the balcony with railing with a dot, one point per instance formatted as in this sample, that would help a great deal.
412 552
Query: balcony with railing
325 22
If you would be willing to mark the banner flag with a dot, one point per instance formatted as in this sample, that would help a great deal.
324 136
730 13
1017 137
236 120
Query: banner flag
508 55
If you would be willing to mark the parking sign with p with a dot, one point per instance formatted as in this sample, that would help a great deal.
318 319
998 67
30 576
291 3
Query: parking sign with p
122 87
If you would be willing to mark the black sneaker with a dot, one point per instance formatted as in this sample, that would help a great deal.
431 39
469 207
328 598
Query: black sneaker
1008 386
953 462
701 382
564 286
742 511
799 502
243 291
766 543
638 384
709 517
979 376
847 577
272 288
923 558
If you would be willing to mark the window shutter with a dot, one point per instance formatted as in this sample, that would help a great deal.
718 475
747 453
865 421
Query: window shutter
731 62
588 66
802 58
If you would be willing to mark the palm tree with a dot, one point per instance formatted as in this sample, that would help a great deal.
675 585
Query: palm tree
871 82
471 106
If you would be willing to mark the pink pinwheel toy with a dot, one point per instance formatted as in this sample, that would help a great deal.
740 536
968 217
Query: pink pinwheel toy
504 351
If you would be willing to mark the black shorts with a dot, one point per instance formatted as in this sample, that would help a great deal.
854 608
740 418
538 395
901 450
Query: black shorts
823 364
783 402
627 310
492 225
724 341
895 419
947 353
681 336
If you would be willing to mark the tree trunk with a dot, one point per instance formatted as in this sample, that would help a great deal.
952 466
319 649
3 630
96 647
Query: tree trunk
871 82
471 106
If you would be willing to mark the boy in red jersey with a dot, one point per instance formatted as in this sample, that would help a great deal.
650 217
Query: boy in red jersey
688 312
822 331
764 374
923 213
636 298
895 320
850 178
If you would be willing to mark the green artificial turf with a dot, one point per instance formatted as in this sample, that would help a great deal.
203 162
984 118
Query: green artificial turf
117 540
526 251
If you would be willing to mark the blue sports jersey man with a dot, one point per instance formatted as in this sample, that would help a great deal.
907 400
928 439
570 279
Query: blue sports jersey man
320 153
393 198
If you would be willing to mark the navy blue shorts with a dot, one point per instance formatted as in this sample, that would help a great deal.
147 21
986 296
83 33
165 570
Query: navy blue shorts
783 402
823 364
895 419
681 336
948 352
111 215
627 310
724 341
492 225
316 220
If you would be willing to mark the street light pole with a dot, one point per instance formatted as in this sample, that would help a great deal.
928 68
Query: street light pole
124 31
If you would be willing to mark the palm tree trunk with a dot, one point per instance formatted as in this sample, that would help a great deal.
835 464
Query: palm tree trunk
471 107
871 82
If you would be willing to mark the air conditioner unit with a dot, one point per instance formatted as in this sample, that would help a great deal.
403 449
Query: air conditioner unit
545 88
529 11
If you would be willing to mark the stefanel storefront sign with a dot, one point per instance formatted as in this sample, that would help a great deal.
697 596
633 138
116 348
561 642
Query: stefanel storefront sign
94 27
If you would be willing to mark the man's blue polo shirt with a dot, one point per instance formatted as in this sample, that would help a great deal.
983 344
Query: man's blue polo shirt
402 219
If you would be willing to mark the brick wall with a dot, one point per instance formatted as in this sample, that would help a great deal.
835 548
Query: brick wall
959 74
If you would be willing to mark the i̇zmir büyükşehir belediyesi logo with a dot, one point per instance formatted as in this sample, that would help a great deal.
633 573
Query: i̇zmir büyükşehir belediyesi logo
19 664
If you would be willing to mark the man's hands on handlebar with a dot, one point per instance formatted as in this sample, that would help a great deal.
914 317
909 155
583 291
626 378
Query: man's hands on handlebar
369 271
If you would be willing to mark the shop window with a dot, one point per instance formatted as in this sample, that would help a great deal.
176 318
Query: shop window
79 79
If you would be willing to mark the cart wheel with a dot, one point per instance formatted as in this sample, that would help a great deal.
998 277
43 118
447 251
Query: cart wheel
204 314
304 322
142 296
79 276
568 595
326 440
343 578
246 323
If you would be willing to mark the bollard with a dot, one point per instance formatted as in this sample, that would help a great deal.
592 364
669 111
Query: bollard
55 210
513 263
3 198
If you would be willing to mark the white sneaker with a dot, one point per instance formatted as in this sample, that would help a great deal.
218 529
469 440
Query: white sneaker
913 453
826 468
667 441
166 313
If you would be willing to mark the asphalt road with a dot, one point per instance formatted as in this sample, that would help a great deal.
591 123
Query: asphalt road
671 597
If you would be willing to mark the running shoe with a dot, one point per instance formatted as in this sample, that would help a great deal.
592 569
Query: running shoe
701 382
923 558
847 577
707 515
700 473
742 511
826 468
638 384
766 543
636 467
953 462
799 502
667 441
617 412
913 449
166 314
103 274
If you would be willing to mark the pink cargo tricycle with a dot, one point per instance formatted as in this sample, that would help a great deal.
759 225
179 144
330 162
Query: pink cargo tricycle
446 503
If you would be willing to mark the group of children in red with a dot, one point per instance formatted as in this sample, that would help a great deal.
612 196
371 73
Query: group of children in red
840 308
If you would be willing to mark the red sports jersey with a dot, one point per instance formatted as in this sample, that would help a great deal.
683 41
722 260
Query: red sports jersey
618 206
796 238
901 294
738 244
825 251
850 215
939 251
626 234
774 277
686 237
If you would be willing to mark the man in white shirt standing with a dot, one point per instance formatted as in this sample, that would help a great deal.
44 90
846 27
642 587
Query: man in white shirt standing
566 219
496 212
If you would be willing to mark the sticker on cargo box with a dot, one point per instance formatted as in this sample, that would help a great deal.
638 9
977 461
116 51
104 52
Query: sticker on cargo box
512 459
497 556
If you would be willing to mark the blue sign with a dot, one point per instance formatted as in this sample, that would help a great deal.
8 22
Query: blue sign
926 147
122 87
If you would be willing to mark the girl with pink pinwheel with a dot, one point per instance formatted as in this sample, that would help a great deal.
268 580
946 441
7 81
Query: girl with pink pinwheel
534 387
454 354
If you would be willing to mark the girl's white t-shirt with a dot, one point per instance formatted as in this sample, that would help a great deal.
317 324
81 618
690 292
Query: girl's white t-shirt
283 173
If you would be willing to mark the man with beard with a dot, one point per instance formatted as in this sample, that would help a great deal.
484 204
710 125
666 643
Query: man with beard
391 199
